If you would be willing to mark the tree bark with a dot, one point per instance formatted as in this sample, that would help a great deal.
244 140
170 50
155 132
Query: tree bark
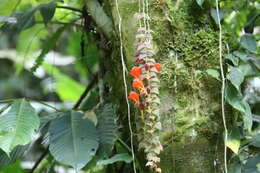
186 41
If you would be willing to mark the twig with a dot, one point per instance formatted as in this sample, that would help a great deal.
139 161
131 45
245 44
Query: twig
222 89
125 84
70 8
45 104
37 163
88 88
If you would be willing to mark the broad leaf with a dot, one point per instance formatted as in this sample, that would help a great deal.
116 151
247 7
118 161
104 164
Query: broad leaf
47 11
252 165
107 128
116 158
236 77
248 42
200 2
17 153
233 140
73 140
18 125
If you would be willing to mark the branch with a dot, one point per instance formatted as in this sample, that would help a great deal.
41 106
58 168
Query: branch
100 17
37 163
88 88
70 8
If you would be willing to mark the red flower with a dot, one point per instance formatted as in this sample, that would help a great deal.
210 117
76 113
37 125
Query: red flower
157 66
136 72
138 84
134 96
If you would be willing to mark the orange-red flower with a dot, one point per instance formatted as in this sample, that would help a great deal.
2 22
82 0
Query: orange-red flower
138 84
157 66
134 96
136 72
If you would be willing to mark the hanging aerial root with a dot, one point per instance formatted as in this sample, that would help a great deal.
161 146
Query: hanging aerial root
146 96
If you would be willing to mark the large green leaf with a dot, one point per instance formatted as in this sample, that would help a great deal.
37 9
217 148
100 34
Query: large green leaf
248 41
18 125
107 128
252 165
73 140
233 140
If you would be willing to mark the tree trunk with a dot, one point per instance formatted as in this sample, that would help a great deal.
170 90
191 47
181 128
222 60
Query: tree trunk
186 42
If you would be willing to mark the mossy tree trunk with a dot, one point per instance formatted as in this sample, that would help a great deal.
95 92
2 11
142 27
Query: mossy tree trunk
186 41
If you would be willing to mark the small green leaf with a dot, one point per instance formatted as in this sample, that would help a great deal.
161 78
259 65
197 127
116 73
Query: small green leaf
18 125
233 140
232 58
73 140
252 165
234 97
214 15
213 73
200 2
26 19
47 11
122 157
248 42
236 77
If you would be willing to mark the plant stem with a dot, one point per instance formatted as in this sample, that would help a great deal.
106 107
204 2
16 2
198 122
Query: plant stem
37 163
88 88
70 8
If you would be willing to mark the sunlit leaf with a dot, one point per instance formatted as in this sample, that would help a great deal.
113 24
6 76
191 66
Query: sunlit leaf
122 157
18 125
73 140
233 140
248 42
